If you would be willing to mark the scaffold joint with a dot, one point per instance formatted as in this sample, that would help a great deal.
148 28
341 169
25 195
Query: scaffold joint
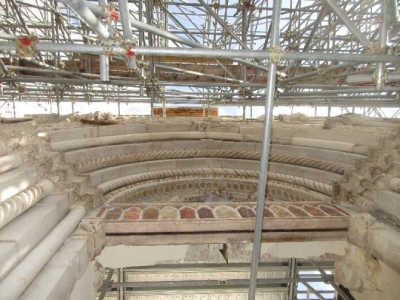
277 55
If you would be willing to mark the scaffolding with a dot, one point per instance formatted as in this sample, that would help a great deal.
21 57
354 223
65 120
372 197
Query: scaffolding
288 279
328 53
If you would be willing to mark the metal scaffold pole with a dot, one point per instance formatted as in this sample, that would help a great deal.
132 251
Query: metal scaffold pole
269 105
149 17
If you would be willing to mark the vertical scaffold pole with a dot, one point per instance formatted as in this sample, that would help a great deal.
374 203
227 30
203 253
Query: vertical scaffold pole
269 105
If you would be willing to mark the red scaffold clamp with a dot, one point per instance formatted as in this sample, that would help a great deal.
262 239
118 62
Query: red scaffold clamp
130 52
112 13
26 45
248 5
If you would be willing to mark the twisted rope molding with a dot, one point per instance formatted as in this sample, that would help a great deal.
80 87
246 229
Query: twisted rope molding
311 184
160 155
16 205
162 181
152 184
131 179
135 191
251 155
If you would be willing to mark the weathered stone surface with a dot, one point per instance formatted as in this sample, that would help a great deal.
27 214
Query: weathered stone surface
314 211
114 214
133 213
394 184
330 211
150 213
71 134
389 203
380 240
169 213
225 212
17 239
337 146
384 243
281 212
57 278
246 212
322 154
101 212
187 213
94 231
168 127
359 225
205 213
305 172
120 129
268 213
298 212
52 283
3 144
358 271
14 181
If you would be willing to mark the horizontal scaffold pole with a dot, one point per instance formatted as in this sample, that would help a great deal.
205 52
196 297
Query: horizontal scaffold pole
211 53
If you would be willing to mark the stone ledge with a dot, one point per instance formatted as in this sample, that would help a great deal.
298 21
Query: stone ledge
384 243
91 142
20 236
104 176
389 202
3 146
51 284
379 239
206 217
225 237
92 229
70 134
57 279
